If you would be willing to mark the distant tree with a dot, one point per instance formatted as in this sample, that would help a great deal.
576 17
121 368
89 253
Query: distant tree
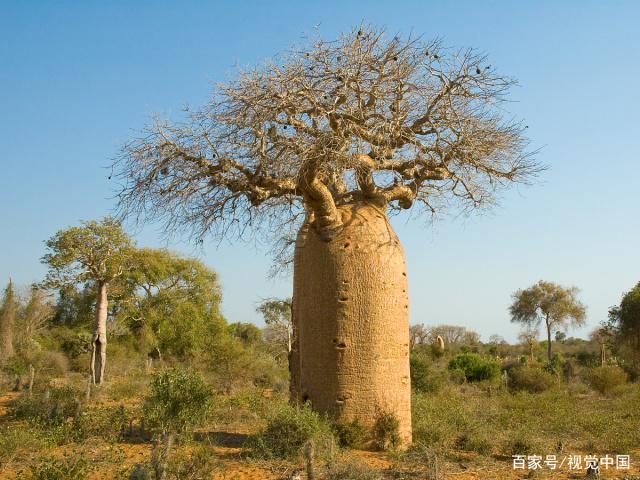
453 335
529 337
277 313
95 253
34 317
560 336
625 320
247 333
8 314
556 306
418 334
173 303
497 339
604 336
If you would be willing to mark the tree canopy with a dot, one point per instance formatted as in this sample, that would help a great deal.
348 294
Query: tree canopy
95 251
555 305
173 302
367 117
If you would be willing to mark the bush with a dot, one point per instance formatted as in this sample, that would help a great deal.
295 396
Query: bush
350 434
474 367
386 431
289 430
59 469
178 400
530 379
606 379
423 377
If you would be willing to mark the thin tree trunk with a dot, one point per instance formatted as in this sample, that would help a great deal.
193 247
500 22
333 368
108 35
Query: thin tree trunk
160 455
32 374
99 339
351 329
548 339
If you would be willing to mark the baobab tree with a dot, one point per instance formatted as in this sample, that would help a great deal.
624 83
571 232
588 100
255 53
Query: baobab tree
555 305
326 141
96 253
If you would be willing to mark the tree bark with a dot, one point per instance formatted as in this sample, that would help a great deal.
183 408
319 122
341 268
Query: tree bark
350 356
99 339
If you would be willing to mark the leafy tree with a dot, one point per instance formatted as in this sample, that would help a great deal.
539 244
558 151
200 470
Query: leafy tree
277 313
173 303
177 402
95 253
327 141
555 305
8 314
625 320
248 333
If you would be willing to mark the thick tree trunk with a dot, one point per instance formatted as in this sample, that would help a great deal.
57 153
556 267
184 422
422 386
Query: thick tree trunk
350 356
99 339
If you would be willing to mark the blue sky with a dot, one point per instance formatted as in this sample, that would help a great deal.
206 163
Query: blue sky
78 78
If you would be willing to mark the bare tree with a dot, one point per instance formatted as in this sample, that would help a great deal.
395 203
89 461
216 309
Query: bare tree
548 302
418 334
326 140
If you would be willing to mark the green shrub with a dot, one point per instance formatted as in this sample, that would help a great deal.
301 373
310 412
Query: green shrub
178 400
424 378
58 469
350 434
289 430
606 379
386 431
474 367
530 379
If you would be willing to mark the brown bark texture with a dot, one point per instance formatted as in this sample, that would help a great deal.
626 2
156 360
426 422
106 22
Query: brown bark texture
350 310
99 339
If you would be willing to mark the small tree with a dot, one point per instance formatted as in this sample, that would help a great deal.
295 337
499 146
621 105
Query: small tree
529 337
8 313
97 253
177 402
557 306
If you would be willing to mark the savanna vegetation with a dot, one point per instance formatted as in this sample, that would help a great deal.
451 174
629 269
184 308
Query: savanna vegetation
185 393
